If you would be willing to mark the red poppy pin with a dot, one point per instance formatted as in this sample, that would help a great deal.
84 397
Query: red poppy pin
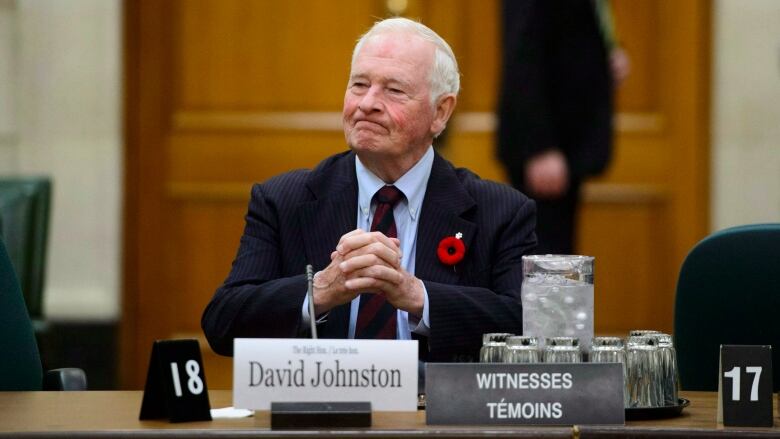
451 249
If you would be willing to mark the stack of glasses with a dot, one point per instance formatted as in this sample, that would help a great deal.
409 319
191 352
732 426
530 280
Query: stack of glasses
651 364
648 358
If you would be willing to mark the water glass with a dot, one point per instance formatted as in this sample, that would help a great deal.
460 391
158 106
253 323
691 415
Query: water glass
643 372
642 332
607 350
522 349
493 345
667 358
610 350
562 350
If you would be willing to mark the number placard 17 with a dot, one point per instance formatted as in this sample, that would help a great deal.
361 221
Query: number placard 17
734 374
745 386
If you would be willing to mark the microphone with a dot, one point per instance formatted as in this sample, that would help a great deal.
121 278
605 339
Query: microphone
310 294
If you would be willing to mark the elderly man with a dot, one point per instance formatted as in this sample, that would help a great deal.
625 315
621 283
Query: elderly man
406 246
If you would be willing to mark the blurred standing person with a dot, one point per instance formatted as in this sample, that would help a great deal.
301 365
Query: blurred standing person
560 64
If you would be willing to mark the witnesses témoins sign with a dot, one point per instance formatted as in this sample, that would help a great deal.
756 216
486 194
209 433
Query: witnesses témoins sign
539 394
383 372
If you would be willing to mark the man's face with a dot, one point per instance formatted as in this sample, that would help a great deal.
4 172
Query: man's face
387 109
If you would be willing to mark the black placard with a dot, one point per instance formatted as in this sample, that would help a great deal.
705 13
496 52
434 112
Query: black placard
537 394
176 383
296 415
745 386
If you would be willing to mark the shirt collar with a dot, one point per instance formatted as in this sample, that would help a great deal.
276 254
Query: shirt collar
412 184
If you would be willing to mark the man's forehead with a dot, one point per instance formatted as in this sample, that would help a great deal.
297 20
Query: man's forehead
395 44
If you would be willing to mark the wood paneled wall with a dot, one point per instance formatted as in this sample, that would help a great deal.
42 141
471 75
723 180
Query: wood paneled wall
221 94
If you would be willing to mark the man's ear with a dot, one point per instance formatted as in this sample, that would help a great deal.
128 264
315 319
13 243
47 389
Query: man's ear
445 105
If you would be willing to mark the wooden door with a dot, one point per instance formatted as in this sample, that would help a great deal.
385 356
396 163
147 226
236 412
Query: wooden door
221 94
641 218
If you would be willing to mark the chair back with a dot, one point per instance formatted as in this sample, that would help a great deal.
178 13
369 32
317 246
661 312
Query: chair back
728 292
24 225
20 364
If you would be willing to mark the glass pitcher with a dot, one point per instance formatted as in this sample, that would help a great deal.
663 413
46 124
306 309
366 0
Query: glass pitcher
557 296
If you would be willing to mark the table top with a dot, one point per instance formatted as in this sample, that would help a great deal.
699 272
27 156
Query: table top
115 414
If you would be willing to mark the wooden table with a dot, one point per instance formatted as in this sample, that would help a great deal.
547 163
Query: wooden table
115 414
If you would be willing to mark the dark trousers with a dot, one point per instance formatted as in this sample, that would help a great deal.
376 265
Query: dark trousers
556 221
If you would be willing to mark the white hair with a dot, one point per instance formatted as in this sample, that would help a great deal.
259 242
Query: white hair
444 77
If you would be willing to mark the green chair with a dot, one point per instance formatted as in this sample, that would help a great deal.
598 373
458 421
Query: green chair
24 225
20 363
728 293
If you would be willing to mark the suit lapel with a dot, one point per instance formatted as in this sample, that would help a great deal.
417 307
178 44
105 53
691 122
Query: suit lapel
332 212
445 201
323 221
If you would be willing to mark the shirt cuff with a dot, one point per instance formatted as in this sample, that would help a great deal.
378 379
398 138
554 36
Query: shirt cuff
305 313
424 324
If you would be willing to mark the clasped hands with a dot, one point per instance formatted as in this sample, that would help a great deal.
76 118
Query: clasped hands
367 262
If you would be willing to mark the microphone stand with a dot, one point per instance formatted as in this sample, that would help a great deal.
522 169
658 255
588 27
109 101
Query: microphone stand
310 295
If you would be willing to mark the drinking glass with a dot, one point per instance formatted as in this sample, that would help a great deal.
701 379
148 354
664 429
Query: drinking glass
607 350
644 372
521 349
667 358
641 332
493 345
562 350
610 350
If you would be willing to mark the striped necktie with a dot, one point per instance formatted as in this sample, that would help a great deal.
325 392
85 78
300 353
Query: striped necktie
377 318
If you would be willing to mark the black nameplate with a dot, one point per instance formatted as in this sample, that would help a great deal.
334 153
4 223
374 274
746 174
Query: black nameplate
538 394
295 415
745 386
176 383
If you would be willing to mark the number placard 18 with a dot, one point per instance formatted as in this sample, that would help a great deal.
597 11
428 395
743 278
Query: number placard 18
175 383
745 386
194 383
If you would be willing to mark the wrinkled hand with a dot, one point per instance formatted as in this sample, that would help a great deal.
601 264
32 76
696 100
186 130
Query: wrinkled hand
329 290
547 175
402 289
367 262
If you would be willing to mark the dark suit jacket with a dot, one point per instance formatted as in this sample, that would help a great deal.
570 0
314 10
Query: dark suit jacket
298 218
556 86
